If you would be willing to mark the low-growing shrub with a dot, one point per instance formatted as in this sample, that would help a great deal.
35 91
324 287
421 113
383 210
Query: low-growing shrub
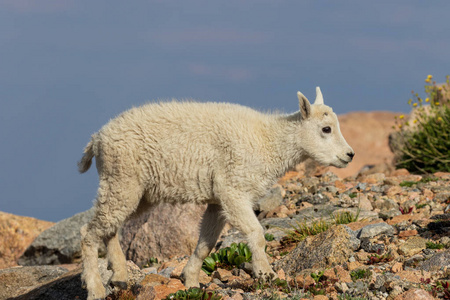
423 142
193 294
227 258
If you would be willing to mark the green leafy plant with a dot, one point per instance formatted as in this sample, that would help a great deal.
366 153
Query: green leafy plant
269 237
431 245
227 258
439 289
419 206
302 230
423 144
407 183
377 258
321 284
317 276
360 274
194 294
346 217
152 261
268 282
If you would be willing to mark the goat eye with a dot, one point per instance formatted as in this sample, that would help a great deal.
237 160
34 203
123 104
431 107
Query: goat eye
326 129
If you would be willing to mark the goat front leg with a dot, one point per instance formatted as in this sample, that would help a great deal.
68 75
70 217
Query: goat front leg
240 214
211 227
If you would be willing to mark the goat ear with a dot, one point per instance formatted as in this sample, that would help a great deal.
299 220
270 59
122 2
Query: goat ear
319 97
305 106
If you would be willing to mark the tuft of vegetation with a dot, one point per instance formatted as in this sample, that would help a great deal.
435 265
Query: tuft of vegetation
269 237
227 258
406 211
419 206
440 289
317 277
345 217
407 183
353 195
360 274
321 284
151 262
194 294
423 144
377 258
302 230
431 245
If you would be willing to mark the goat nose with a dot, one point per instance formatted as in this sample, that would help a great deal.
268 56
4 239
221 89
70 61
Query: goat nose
351 154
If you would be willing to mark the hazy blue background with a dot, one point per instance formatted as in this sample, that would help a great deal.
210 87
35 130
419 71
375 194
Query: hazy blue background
67 67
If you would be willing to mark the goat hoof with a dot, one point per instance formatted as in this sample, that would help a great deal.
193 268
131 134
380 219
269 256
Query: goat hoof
120 284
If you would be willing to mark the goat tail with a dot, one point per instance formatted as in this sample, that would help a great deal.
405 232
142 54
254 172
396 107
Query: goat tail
85 163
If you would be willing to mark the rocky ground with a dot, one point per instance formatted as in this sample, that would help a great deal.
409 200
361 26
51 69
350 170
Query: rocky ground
396 247
388 253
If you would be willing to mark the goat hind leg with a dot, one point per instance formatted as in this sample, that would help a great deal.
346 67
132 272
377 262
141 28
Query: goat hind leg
113 207
211 227
117 262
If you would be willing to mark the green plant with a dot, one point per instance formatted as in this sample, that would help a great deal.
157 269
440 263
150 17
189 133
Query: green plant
353 195
419 206
431 245
349 297
439 289
360 274
267 282
151 261
321 284
345 217
302 230
407 183
317 277
227 258
424 141
194 294
269 237
377 258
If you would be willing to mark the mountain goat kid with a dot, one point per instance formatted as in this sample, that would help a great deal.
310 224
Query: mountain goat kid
224 155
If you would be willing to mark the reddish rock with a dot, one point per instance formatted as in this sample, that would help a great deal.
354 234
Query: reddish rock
320 297
222 274
280 212
407 233
304 280
16 234
397 267
400 172
162 291
340 186
393 190
442 175
403 218
342 274
414 294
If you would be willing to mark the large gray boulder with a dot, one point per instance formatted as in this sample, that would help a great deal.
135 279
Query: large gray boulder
162 232
60 244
